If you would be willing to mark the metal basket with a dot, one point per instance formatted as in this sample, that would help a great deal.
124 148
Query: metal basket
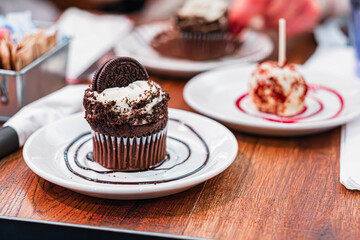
41 77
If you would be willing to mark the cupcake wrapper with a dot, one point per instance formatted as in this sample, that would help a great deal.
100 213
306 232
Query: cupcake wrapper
200 46
204 36
129 154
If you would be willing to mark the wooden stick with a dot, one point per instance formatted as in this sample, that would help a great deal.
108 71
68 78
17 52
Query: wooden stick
282 42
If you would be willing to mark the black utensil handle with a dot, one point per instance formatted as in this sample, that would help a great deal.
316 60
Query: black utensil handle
9 141
38 229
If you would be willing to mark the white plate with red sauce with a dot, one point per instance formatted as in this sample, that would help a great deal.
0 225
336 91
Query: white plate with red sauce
222 94
256 46
61 153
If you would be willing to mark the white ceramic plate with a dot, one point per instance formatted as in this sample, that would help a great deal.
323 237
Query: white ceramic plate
196 154
256 46
222 95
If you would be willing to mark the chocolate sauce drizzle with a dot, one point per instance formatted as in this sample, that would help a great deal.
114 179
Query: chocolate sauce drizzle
155 168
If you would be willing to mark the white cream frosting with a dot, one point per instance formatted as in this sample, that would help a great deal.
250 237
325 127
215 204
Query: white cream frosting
211 10
285 77
134 93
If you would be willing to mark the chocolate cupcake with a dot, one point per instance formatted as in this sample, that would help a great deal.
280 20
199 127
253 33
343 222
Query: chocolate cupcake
200 32
128 115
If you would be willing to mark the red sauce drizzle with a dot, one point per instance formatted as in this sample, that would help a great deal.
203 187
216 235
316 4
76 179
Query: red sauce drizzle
295 119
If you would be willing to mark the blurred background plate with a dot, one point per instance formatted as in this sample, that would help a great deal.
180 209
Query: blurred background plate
255 47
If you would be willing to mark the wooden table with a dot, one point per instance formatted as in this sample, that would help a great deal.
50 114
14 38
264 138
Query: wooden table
281 188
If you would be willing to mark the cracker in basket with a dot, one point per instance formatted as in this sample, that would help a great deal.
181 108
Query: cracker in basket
12 49
4 55
44 42
51 40
23 56
31 48
26 52
16 57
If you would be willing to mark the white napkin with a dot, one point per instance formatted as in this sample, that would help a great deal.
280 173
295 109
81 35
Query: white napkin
338 61
341 62
92 36
349 155
35 115
334 57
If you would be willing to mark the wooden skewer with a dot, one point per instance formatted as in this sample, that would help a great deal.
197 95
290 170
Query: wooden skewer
282 42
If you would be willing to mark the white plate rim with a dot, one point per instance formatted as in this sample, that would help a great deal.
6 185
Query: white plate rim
263 124
130 189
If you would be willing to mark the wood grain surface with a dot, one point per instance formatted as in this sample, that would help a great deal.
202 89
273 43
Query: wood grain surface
277 188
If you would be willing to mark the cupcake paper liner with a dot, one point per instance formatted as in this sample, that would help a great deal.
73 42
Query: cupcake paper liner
207 46
129 153
196 46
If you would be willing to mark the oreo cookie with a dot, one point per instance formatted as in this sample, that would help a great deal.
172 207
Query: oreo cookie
118 72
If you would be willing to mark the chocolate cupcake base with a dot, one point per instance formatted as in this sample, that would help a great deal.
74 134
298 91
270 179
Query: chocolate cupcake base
195 46
129 153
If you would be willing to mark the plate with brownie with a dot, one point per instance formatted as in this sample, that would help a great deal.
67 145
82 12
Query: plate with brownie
269 99
127 144
196 39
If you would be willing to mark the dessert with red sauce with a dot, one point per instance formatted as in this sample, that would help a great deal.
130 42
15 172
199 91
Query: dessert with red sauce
279 90
128 115
200 32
